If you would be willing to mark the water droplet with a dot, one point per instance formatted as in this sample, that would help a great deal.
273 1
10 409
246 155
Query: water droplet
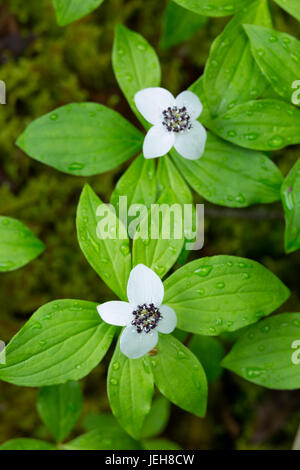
200 291
203 271
245 276
265 329
180 355
53 117
116 365
253 372
124 249
37 326
220 285
76 166
276 141
114 381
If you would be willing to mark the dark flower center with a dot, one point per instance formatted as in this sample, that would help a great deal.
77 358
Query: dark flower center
176 119
146 318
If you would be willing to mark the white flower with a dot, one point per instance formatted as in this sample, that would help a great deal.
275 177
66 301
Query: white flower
174 123
143 316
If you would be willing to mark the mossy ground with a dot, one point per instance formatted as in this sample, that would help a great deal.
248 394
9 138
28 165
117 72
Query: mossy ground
45 66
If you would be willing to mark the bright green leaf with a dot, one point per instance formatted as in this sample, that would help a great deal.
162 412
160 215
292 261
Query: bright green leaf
18 245
214 7
104 242
179 25
60 407
135 64
271 49
168 177
290 193
260 125
179 375
68 11
222 293
231 74
130 390
63 340
268 354
24 443
103 439
231 176
157 419
160 237
138 184
210 352
81 139
160 444
291 6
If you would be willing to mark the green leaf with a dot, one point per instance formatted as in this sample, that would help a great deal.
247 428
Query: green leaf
135 64
68 11
268 354
222 293
60 407
18 245
160 249
130 390
214 7
63 340
179 375
290 193
198 88
210 352
160 444
157 419
260 125
100 420
291 6
168 177
138 184
231 74
81 139
103 242
179 25
271 49
24 443
103 439
231 176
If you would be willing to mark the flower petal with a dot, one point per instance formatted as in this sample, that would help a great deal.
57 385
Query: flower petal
169 320
190 144
134 344
116 312
152 101
191 102
158 142
144 287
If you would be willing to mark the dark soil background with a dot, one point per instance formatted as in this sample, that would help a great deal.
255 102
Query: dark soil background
45 66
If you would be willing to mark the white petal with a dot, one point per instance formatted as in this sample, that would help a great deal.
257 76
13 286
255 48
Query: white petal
169 321
152 101
190 144
134 344
144 287
158 142
116 312
191 102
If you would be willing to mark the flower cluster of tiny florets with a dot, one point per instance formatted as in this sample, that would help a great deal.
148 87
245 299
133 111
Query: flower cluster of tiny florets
176 119
146 317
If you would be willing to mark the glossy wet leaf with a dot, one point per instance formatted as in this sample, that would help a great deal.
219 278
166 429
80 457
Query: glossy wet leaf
63 340
222 293
231 176
25 443
130 389
268 354
231 74
210 353
104 242
103 439
135 64
157 419
271 49
18 245
60 407
138 184
68 11
179 375
160 444
168 177
179 25
214 7
290 193
260 125
291 6
81 139
159 238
